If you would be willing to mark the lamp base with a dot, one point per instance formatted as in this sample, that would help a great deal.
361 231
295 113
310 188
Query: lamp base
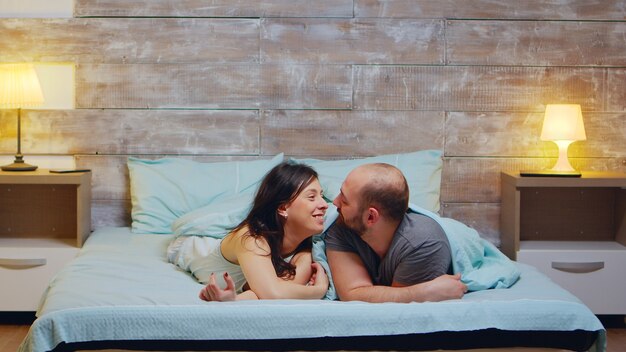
19 165
549 173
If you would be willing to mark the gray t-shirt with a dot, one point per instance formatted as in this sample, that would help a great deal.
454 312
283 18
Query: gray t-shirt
419 251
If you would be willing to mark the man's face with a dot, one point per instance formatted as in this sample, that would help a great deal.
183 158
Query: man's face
348 204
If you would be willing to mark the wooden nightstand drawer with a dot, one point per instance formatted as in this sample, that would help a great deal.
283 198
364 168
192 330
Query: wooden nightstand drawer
592 271
26 271
44 219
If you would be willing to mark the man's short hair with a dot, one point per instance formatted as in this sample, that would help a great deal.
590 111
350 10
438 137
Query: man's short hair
386 189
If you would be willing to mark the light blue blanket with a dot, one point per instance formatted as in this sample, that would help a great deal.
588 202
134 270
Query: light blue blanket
121 287
481 265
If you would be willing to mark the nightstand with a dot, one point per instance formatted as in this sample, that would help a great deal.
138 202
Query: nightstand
571 229
44 220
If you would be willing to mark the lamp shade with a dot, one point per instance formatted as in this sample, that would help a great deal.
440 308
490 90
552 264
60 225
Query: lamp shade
19 86
563 122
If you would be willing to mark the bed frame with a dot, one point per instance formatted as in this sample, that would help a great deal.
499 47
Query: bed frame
121 293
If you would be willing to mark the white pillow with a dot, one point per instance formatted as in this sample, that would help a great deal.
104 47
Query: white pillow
215 219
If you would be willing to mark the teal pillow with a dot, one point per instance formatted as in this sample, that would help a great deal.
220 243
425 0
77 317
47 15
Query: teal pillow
422 170
162 190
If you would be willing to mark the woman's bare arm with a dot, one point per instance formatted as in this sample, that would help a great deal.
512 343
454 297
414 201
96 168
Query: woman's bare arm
302 260
257 267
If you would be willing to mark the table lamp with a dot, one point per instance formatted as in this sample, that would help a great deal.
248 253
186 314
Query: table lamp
19 87
562 124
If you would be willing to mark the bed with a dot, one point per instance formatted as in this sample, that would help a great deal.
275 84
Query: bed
120 292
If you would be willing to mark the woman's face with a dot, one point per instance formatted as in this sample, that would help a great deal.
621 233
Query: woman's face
306 212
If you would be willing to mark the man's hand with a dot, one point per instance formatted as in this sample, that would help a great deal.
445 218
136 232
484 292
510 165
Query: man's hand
444 287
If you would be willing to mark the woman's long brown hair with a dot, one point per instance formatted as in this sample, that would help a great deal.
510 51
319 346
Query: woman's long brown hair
279 187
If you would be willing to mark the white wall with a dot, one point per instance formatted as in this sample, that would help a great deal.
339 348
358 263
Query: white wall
57 85
36 8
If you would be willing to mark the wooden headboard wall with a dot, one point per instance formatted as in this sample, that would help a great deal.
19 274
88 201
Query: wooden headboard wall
225 80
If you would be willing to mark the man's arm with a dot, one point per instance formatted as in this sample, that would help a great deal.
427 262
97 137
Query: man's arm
353 283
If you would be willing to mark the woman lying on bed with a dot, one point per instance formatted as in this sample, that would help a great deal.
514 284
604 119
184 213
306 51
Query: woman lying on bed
268 255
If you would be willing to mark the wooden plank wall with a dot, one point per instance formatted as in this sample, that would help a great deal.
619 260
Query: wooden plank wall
225 80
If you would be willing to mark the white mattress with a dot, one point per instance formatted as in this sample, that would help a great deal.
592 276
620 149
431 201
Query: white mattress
121 287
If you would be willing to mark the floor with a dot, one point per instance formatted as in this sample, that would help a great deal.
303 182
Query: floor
616 340
11 336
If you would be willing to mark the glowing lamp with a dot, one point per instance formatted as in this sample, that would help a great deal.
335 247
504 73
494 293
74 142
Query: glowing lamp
19 87
563 125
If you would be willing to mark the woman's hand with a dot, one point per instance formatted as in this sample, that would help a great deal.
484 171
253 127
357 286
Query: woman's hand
319 279
212 292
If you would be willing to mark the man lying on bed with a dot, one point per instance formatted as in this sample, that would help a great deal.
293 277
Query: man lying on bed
379 252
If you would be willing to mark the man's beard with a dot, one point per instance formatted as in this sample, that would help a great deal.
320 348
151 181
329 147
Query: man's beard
354 224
